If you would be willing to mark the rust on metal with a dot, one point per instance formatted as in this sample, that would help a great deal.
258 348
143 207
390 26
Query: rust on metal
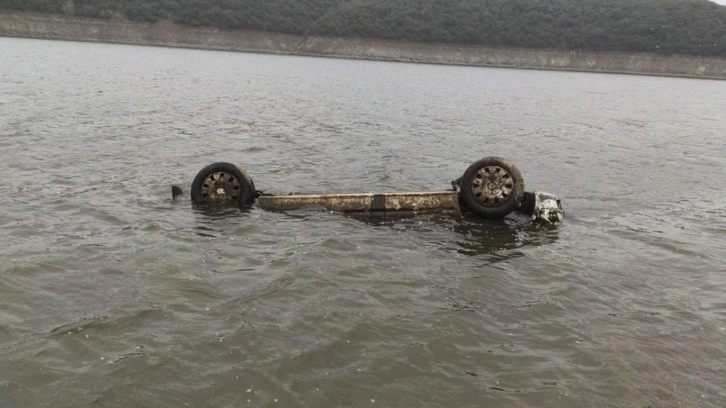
369 202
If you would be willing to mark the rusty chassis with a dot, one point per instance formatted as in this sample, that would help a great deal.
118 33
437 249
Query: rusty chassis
492 187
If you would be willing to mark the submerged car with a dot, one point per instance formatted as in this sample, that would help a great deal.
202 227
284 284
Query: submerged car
491 187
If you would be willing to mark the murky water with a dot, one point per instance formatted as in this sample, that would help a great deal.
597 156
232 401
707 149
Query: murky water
113 295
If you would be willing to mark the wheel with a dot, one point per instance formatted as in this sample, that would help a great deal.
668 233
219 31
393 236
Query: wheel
220 182
492 187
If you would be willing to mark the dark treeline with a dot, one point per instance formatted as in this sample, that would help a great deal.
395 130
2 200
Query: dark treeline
659 26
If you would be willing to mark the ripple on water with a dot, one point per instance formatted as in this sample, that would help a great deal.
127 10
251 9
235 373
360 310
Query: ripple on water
110 291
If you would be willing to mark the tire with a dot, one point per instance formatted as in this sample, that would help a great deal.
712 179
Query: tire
492 187
223 182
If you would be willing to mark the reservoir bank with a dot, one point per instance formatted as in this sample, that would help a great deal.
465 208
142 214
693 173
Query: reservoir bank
169 34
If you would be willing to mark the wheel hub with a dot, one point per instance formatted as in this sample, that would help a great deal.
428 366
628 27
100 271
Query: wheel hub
221 186
492 185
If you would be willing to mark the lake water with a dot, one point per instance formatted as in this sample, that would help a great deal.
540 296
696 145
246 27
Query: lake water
113 295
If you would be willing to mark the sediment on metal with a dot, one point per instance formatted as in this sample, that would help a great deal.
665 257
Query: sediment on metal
369 202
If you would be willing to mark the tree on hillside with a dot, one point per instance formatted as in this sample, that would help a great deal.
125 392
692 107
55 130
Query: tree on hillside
658 26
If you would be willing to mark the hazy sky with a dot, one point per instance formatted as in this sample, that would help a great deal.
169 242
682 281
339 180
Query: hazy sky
720 2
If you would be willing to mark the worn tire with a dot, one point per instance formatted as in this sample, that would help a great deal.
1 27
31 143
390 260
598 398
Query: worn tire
492 187
223 182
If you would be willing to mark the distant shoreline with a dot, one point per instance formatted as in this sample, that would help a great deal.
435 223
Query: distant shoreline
168 34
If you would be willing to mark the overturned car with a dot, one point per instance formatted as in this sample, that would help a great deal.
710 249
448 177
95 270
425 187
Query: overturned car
491 187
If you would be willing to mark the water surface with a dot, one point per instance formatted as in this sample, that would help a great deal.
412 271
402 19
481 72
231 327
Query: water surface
111 294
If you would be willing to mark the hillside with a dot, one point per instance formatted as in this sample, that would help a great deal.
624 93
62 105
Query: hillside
691 27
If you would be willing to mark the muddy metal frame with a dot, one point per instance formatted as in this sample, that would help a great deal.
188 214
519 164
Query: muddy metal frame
492 187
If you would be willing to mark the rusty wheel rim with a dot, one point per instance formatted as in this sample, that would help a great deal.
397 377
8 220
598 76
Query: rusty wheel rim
221 186
491 186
